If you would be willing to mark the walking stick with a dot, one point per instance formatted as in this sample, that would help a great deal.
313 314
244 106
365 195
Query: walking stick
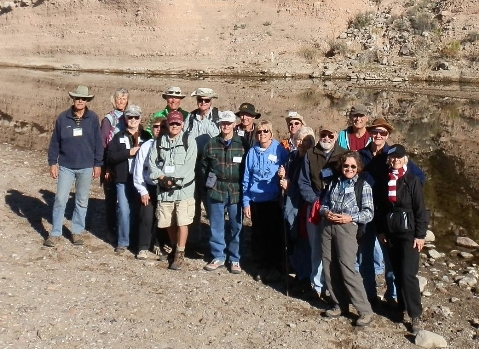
285 236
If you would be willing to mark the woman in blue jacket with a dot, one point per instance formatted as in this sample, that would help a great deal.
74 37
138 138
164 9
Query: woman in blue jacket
261 201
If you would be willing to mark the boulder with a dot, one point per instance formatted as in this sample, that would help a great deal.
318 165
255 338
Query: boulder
466 242
466 255
467 281
426 339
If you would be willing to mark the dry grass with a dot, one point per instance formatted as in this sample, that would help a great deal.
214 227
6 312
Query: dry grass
451 50
361 20
310 53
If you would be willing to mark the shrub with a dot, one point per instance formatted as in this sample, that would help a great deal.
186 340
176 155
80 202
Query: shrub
360 20
267 23
239 26
451 50
336 47
311 54
401 23
422 21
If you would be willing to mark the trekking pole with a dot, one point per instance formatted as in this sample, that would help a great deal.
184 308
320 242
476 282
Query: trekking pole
285 236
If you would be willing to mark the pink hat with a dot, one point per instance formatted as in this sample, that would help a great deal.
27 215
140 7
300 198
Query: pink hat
174 116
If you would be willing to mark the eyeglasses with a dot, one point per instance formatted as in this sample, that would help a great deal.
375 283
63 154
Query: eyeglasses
162 126
174 124
203 100
326 134
136 117
296 123
262 131
379 132
348 166
84 99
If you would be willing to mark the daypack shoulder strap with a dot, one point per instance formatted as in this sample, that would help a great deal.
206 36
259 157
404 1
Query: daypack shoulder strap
358 191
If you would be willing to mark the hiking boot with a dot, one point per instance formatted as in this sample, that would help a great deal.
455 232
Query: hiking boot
364 319
235 268
178 261
334 312
214 264
142 255
77 239
120 249
52 241
171 255
416 325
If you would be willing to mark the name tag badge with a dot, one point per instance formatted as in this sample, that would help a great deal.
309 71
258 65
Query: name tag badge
241 133
272 157
123 140
77 132
237 159
326 172
169 169
349 190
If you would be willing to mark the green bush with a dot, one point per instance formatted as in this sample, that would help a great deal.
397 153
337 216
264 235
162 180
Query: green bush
361 20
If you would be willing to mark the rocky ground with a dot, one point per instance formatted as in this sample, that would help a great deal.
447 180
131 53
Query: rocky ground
88 297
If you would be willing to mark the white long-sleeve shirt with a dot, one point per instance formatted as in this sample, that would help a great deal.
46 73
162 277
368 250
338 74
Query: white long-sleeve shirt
141 174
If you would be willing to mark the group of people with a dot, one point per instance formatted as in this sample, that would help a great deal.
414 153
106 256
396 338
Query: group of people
327 203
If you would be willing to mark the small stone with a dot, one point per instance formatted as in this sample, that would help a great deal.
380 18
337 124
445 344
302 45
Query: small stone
427 294
475 322
466 242
292 325
426 339
454 299
434 254
430 237
422 283
466 255
467 281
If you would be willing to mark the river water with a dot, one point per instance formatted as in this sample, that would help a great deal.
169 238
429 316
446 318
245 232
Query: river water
438 123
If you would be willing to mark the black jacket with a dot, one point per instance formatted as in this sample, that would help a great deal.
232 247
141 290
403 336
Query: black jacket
118 153
410 198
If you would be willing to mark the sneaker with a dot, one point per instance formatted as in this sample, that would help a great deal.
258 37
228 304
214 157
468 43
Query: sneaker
214 264
235 268
77 239
162 256
120 249
334 312
364 319
178 261
142 255
416 325
52 241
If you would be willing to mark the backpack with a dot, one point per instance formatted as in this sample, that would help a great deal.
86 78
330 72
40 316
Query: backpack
184 140
113 122
214 114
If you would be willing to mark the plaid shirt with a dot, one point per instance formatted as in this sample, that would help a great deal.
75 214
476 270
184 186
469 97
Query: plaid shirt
342 199
219 160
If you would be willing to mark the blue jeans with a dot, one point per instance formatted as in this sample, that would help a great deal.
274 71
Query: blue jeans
66 177
225 238
314 236
126 211
366 264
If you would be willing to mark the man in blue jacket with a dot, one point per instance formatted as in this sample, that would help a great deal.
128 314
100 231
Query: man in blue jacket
75 154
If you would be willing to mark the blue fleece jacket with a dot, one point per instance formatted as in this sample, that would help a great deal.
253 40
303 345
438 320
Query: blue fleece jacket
260 180
82 149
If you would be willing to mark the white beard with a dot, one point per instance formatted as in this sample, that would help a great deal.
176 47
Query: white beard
326 145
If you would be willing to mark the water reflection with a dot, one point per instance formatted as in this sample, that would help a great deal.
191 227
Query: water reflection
439 123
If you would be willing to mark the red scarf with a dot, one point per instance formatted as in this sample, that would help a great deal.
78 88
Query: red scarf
394 176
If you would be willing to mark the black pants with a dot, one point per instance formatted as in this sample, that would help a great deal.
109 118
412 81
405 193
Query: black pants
267 239
109 189
405 264
149 234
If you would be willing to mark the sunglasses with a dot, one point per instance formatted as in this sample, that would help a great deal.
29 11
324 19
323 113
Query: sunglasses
84 99
379 132
163 126
296 123
262 131
326 134
174 124
136 117
203 100
350 166
172 93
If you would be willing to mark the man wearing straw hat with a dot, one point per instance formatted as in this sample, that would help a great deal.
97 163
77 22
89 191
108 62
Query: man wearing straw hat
75 155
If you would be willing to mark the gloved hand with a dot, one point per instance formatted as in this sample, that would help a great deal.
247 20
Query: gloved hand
166 182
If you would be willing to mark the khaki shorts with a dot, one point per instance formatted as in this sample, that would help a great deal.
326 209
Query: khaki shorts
176 213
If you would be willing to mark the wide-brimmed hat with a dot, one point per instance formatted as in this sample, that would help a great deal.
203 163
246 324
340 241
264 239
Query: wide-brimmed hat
292 115
81 92
173 91
248 108
380 122
132 110
329 127
397 151
204 92
226 116
174 116
358 109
